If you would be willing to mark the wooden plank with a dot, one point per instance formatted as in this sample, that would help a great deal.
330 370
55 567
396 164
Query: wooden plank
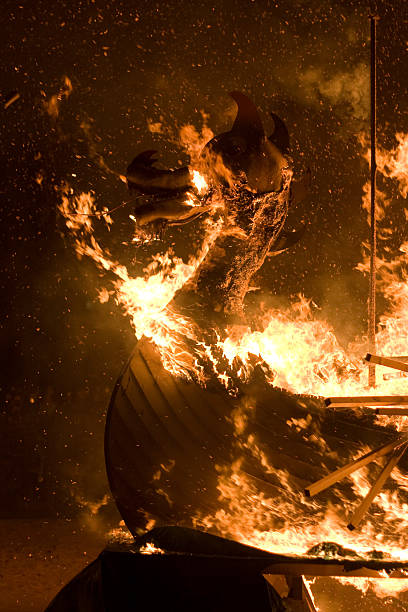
338 434
314 568
270 491
132 436
394 375
192 404
351 467
279 583
355 431
152 409
181 411
376 488
366 400
307 596
130 407
387 361
390 411
286 453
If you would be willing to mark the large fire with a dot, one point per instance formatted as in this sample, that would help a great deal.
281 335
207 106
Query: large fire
317 364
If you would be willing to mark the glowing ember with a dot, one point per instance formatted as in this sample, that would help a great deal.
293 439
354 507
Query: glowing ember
150 549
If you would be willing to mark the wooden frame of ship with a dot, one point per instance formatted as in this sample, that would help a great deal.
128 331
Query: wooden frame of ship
391 405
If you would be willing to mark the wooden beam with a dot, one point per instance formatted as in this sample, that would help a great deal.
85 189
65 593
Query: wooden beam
293 589
307 596
279 583
394 375
351 467
366 400
376 488
372 327
387 361
391 411
323 568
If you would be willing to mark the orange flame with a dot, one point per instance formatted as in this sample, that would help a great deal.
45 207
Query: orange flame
316 364
199 182
145 298
151 549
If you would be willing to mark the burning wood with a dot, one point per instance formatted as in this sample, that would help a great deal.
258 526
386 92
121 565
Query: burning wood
389 362
377 486
366 400
348 469
391 411
390 406
324 567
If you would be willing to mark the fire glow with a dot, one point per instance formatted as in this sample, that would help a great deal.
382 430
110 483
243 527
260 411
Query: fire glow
316 365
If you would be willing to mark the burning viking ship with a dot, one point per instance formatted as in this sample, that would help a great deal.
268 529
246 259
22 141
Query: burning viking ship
181 448
206 434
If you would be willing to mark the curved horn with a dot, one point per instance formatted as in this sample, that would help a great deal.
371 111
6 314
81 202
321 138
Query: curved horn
247 122
280 136
286 240
143 159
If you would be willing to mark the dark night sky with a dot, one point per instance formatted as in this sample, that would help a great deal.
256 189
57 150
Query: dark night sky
167 61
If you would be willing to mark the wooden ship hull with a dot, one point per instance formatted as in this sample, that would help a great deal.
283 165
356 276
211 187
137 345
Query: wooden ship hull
173 448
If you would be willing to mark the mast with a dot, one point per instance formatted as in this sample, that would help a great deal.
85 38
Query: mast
373 225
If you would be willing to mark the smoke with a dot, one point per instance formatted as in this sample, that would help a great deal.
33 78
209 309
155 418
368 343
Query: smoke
52 105
93 150
347 90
